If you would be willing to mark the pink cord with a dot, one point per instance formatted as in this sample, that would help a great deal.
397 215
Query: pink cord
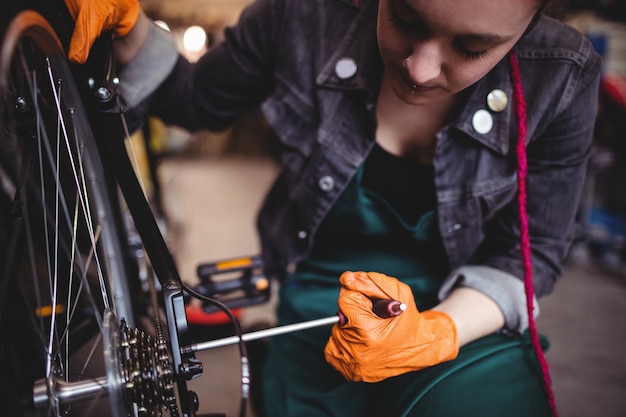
522 170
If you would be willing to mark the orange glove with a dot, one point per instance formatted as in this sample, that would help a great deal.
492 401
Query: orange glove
93 17
369 348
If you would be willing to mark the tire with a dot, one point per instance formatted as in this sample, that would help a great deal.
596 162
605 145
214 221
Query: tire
62 264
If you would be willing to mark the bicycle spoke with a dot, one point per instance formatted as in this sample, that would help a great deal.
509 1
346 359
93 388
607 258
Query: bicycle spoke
78 184
61 248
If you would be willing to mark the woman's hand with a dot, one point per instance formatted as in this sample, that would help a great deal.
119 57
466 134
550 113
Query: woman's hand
93 17
369 348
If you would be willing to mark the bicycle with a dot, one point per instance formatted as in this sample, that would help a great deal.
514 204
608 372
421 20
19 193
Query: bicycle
70 343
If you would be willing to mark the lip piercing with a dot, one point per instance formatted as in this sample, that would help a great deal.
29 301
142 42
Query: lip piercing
413 87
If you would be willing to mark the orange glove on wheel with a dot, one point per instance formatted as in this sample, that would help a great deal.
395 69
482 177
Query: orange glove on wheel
369 348
93 17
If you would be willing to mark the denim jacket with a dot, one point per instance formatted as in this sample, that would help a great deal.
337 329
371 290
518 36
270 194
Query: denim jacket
314 68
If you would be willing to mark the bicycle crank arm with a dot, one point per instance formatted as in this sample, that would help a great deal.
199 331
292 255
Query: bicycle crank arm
260 334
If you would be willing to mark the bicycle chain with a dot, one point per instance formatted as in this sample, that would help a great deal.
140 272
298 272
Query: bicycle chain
168 394
147 371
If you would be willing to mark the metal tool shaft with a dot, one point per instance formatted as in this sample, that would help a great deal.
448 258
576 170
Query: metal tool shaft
382 308
260 334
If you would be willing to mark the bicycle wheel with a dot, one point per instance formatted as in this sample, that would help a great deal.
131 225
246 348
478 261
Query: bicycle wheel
61 259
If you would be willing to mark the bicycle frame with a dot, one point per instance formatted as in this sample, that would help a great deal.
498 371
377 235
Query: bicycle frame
110 131
96 85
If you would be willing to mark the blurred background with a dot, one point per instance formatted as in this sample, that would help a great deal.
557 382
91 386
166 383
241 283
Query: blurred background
206 188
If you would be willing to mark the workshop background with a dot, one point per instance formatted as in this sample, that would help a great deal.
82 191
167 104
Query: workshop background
208 186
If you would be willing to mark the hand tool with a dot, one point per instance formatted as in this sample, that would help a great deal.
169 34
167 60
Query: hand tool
382 308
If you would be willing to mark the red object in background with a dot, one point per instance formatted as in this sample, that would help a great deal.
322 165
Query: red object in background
197 317
615 88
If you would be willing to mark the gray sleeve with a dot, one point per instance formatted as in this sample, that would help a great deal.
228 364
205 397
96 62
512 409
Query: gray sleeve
505 289
153 63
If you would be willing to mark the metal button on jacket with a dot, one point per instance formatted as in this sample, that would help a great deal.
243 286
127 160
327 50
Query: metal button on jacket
482 122
326 183
345 68
497 100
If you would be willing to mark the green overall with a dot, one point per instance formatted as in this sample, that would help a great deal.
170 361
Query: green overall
494 376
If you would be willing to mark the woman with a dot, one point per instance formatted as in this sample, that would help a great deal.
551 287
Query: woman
398 122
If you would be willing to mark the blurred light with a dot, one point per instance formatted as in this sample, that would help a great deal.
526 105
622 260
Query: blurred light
162 25
194 39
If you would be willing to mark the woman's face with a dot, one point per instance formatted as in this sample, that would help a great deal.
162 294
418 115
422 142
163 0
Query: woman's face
433 49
